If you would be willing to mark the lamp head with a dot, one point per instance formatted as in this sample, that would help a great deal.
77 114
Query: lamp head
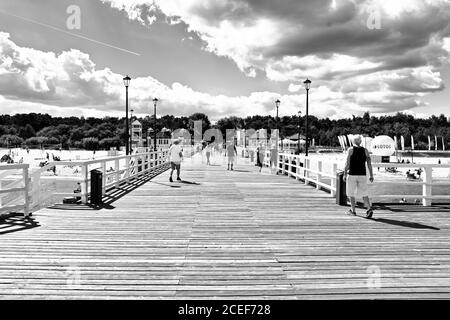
277 103
155 100
126 81
307 83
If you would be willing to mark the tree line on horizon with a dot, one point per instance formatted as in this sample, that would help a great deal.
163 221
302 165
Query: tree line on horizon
42 130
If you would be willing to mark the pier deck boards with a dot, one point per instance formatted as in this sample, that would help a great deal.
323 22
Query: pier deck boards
229 235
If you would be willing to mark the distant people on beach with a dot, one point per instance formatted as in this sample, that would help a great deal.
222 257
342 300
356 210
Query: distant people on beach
356 176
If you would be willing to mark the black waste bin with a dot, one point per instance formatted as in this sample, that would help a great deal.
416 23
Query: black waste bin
341 196
139 165
96 187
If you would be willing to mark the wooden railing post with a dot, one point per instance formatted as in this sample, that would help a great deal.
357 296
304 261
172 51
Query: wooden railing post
127 168
84 183
319 175
306 170
103 169
26 179
117 168
297 169
290 173
333 180
427 188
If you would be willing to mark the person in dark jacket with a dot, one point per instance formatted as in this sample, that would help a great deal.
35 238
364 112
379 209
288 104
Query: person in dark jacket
356 176
260 154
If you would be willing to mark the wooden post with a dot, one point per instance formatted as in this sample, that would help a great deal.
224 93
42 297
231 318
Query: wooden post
127 167
427 188
26 179
306 170
283 171
117 168
319 175
297 169
290 173
103 168
84 183
333 180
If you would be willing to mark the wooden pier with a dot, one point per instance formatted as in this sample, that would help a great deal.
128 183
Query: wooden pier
227 235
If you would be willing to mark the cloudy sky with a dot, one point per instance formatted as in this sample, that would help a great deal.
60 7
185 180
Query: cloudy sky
225 57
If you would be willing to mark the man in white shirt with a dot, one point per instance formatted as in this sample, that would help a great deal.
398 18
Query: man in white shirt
175 156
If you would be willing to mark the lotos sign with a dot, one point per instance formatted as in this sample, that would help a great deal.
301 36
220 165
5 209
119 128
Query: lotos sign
383 146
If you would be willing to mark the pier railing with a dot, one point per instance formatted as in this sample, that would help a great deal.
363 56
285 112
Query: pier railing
14 188
323 174
115 171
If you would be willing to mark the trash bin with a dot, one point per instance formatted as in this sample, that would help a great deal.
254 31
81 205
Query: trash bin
252 156
341 196
139 165
96 187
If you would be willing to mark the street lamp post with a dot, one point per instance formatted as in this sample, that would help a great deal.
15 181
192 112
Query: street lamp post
126 82
131 131
307 83
277 103
299 130
155 101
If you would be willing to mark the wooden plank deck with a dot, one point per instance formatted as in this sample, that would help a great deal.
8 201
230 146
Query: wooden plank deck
228 235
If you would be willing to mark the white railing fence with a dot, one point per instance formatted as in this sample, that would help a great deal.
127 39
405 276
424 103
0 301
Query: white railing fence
22 190
323 174
14 188
115 171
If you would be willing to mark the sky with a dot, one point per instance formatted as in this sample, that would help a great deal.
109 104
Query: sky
225 57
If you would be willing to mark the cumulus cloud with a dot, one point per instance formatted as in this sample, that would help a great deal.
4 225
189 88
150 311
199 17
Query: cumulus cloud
388 69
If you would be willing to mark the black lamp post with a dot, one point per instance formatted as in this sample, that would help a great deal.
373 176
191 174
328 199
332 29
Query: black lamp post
299 131
277 103
155 101
126 82
131 131
307 83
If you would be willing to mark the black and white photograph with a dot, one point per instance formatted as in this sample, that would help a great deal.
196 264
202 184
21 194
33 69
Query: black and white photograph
225 155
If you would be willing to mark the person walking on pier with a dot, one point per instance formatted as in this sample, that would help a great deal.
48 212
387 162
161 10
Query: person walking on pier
208 154
260 154
356 177
175 156
231 152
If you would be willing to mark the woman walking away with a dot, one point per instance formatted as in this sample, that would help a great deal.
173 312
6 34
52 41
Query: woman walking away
208 154
260 154
175 156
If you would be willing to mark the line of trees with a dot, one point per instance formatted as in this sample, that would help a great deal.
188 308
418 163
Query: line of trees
42 130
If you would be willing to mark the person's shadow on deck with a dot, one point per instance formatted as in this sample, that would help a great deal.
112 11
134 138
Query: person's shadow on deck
406 224
15 222
190 182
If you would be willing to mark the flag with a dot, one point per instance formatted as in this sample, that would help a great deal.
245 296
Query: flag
402 139
412 143
396 142
429 143
443 144
435 143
